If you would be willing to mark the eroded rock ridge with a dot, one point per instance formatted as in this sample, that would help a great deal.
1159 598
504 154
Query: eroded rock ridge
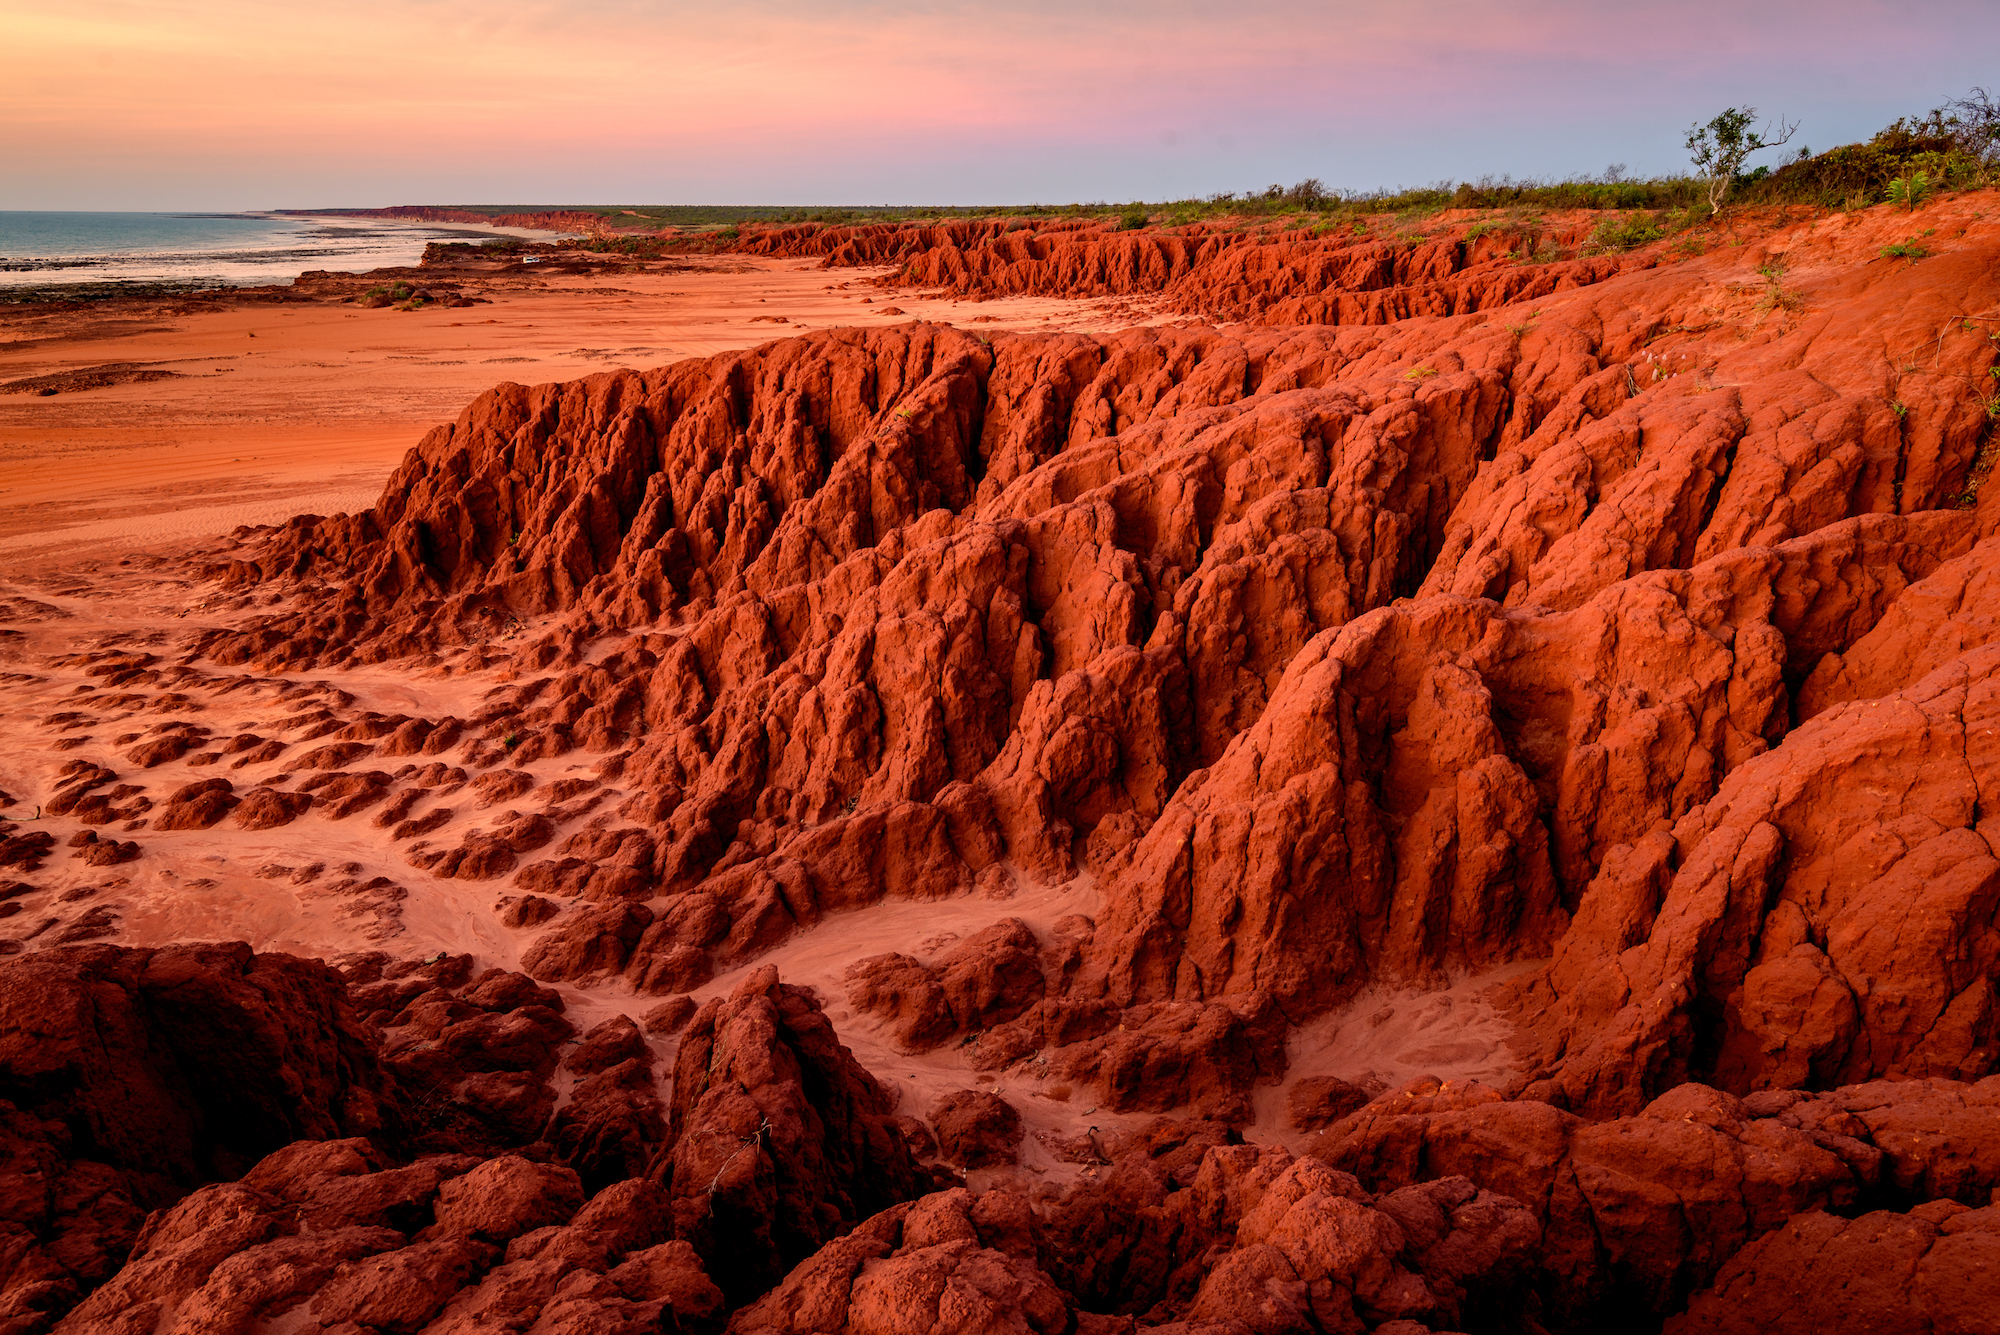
1614 633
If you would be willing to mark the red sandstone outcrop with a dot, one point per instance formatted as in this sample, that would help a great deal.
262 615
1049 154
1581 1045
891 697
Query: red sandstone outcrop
781 1141
182 1062
1632 635
986 980
1332 654
331 1235
1271 275
128 1077
947 1262
1439 1207
976 1129
1934 1268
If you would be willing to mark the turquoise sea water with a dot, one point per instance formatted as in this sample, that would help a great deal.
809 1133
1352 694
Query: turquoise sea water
231 249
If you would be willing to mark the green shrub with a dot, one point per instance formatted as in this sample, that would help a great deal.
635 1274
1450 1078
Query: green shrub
1626 233
632 247
1308 194
1910 190
1855 175
1665 193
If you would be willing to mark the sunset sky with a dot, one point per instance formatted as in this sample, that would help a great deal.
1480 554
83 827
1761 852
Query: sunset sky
225 104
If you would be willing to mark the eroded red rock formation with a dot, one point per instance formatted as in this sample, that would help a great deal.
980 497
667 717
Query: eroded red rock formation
1276 275
1436 1207
1333 655
1615 625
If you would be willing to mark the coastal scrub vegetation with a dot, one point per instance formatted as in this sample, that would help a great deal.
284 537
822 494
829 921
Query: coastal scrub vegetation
1720 148
1955 146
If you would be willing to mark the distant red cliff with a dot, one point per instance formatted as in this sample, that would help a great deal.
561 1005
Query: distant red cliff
557 220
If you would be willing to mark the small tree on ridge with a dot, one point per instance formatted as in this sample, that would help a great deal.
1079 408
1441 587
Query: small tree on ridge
1719 148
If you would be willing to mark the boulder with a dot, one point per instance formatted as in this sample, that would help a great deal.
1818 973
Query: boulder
976 1129
780 1140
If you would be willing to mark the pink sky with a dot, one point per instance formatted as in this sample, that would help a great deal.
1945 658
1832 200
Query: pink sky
184 104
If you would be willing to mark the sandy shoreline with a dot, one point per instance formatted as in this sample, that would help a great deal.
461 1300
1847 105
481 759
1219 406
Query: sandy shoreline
360 245
356 220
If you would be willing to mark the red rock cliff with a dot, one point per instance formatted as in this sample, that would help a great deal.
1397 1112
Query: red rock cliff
1332 654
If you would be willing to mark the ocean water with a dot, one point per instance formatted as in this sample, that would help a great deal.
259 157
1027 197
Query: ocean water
224 249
